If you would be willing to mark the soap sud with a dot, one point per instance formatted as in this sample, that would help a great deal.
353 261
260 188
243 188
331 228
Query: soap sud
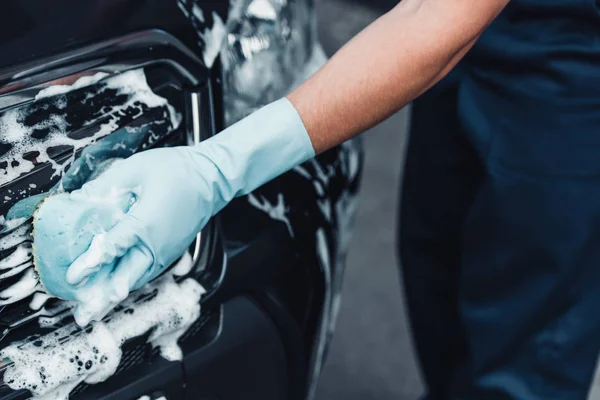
164 308
174 307
16 270
212 40
198 13
262 9
97 300
16 133
347 204
94 257
237 9
52 363
108 290
15 237
19 256
57 315
278 211
181 6
16 233
25 287
341 214
183 266
62 89
38 300
325 259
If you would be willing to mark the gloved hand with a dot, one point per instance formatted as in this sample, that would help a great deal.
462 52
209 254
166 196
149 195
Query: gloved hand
160 200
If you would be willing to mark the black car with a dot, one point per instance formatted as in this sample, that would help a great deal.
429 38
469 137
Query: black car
83 83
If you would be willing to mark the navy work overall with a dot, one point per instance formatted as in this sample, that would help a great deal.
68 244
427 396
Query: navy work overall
500 211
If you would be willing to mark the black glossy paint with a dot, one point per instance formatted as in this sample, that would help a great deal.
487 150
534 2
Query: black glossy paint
34 29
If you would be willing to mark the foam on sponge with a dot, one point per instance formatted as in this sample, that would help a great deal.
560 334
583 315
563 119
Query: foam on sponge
64 228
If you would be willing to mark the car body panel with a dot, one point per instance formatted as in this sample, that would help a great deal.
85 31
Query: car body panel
38 28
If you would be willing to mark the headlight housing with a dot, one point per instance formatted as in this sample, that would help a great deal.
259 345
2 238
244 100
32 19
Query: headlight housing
266 50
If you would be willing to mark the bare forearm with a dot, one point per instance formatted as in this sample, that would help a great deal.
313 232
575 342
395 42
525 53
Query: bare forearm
386 66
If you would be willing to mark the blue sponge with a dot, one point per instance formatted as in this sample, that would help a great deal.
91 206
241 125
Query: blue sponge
60 238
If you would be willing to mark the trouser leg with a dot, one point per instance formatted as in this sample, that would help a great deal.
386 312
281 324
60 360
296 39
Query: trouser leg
441 176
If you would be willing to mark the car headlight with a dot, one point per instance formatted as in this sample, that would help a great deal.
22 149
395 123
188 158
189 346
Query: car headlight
266 50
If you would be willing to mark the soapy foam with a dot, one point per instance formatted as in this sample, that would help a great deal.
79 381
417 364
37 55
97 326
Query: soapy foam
172 309
25 287
198 13
45 364
277 211
14 131
62 89
183 266
20 256
91 261
98 291
325 260
17 236
16 270
181 6
262 9
212 40
97 299
52 365
57 315
341 215
17 232
38 300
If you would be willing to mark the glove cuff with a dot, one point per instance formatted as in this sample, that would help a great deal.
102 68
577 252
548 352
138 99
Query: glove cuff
258 148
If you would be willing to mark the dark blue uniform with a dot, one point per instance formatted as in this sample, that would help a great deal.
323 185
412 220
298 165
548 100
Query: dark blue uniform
500 215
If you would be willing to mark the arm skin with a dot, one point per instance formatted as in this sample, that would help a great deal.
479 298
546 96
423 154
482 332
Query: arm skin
389 64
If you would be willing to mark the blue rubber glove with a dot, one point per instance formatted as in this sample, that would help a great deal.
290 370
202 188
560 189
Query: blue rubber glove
128 225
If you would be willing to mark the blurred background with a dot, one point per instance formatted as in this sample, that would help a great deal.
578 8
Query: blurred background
371 355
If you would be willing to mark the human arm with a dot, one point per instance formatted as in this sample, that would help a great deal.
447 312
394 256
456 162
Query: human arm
388 64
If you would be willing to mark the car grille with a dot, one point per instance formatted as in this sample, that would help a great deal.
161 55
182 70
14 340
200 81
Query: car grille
79 119
172 72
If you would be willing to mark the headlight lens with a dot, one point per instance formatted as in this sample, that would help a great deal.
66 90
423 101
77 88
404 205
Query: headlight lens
266 51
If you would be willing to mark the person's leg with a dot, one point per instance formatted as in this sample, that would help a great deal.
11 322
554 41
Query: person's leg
530 283
441 176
